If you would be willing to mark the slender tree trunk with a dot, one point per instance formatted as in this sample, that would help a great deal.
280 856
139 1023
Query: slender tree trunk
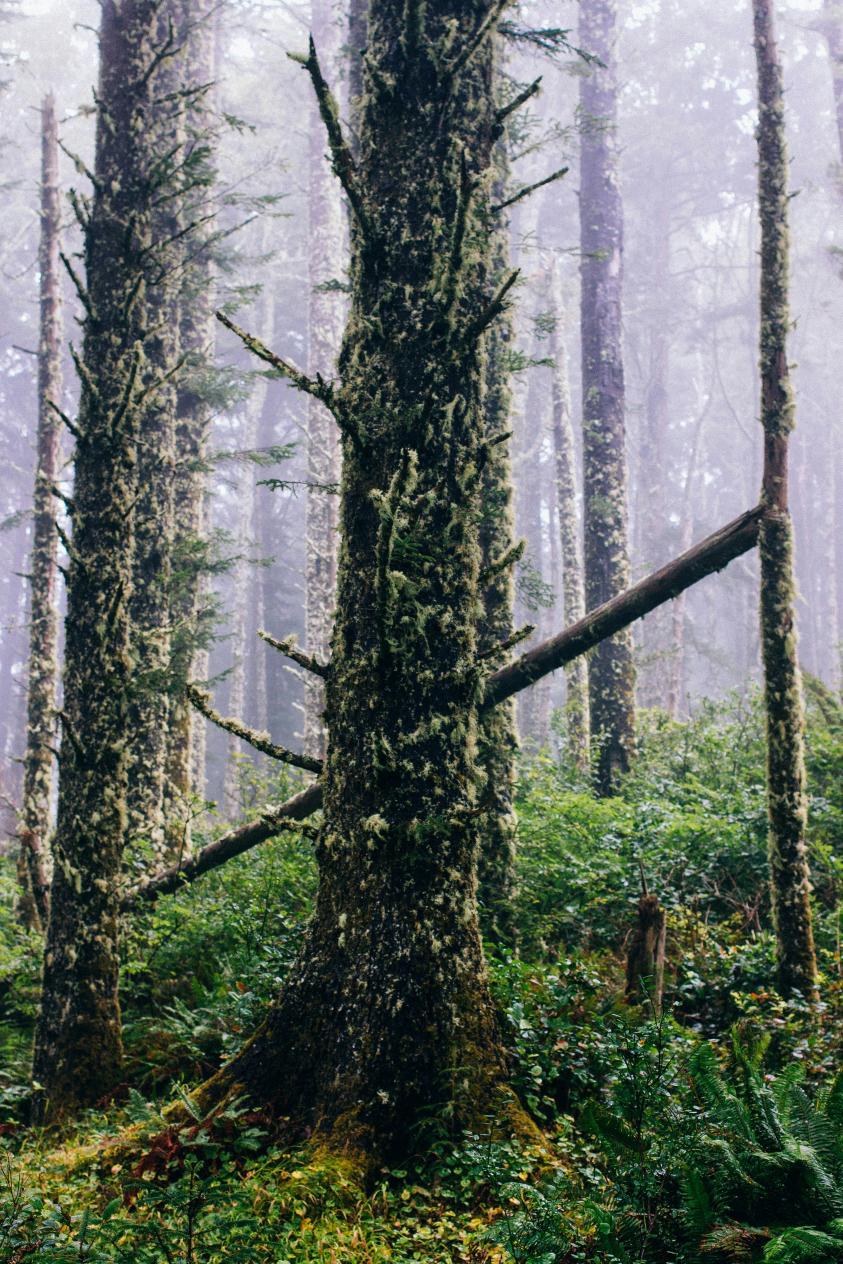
326 265
34 864
611 669
676 673
199 27
244 570
498 737
77 1045
387 1012
578 726
150 604
787 800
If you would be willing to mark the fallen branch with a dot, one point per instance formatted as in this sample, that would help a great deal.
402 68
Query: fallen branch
710 555
236 842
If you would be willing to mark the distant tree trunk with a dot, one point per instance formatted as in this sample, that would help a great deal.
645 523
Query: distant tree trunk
578 727
77 1045
830 24
387 1012
358 34
326 265
787 800
244 568
199 28
652 510
151 599
611 669
498 737
34 864
676 673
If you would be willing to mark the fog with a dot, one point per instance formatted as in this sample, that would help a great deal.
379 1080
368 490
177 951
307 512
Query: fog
694 446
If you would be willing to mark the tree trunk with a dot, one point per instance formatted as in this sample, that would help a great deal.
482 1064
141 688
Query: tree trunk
645 957
326 266
199 28
498 737
150 603
244 569
34 864
77 1044
787 800
611 669
577 715
387 1013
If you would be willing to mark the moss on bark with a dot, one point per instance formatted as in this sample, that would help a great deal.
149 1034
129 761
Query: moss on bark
34 860
786 790
78 1045
387 1014
611 670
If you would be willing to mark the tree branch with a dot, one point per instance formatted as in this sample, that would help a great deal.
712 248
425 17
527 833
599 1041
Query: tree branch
527 190
311 386
289 648
710 555
237 841
260 741
341 156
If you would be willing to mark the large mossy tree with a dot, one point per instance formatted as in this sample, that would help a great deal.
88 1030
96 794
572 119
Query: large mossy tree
387 1012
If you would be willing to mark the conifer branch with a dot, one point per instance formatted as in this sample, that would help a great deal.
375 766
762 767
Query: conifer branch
316 387
290 650
342 159
507 559
530 91
80 289
496 305
260 741
484 29
527 190
511 641
63 417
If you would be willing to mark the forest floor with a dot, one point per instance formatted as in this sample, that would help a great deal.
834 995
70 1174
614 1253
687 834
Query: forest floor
711 1131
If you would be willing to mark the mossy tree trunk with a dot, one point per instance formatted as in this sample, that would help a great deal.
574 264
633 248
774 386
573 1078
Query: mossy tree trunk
326 265
198 28
78 1044
611 669
387 1012
787 800
498 738
577 711
33 866
150 604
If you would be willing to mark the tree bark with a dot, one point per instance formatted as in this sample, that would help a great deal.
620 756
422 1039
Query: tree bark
154 514
498 737
244 568
199 29
34 861
786 793
389 994
326 265
611 669
77 1045
577 713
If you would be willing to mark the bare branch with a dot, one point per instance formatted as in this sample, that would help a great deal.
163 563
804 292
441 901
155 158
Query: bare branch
710 555
289 648
260 741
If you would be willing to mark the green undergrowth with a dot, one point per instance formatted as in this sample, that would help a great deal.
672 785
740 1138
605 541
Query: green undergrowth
660 1130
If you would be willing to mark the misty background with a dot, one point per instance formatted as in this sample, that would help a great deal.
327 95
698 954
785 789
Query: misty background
690 323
